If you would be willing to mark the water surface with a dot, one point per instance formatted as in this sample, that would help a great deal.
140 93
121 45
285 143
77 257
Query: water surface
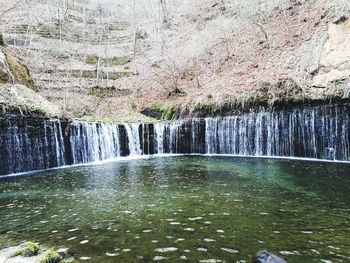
171 209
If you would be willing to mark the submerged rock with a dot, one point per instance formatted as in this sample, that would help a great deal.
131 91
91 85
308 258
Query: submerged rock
267 257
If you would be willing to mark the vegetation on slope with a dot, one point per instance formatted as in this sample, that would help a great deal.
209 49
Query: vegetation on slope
108 60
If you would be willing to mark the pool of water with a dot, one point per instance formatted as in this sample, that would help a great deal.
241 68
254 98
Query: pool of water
189 207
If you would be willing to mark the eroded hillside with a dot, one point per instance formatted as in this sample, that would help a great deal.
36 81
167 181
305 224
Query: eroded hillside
115 59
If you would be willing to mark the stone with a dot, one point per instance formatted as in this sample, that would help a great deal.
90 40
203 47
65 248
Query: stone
28 249
267 257
334 63
50 256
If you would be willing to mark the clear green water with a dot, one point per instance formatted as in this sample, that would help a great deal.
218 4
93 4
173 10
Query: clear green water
219 208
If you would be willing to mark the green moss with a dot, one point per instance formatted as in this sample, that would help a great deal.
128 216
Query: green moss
85 74
92 74
91 60
160 112
50 256
115 61
28 249
120 61
168 114
20 72
24 108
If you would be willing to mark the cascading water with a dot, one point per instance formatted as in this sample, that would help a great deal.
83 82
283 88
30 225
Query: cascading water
159 129
315 132
134 139
321 132
91 142
28 145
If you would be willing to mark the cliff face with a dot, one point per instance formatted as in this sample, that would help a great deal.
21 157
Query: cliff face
334 64
115 59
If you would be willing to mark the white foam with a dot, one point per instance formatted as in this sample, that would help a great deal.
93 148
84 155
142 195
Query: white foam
166 249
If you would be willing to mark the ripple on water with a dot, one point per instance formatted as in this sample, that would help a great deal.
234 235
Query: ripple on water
230 250
166 249
288 253
307 232
158 258
195 218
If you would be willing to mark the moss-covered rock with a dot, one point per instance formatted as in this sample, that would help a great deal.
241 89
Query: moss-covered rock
50 256
160 112
19 73
28 249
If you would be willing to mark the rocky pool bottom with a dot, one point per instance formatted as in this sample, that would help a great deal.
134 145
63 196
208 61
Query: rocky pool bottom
194 208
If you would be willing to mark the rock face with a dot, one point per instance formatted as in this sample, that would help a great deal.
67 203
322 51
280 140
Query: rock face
20 99
335 58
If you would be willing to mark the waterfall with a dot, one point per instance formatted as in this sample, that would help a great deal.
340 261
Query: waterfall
91 142
159 129
320 132
59 142
134 139
28 144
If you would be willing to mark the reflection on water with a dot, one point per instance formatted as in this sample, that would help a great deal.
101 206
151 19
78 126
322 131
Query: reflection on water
177 208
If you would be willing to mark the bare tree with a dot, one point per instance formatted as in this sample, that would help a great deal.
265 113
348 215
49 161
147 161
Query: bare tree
164 9
17 4
258 18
